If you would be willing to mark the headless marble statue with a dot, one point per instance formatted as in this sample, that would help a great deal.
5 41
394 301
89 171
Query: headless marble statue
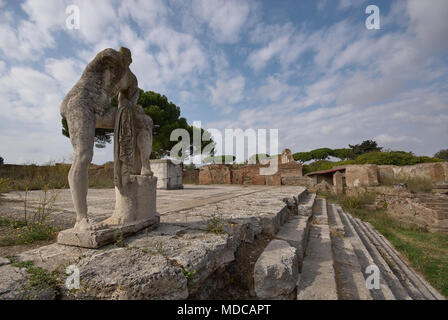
86 107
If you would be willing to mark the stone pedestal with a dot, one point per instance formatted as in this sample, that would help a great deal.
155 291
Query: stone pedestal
168 173
135 210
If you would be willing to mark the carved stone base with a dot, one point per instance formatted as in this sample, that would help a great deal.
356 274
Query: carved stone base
135 210
99 238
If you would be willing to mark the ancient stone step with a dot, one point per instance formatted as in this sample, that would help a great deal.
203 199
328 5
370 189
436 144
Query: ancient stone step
276 271
306 206
317 280
349 277
408 285
422 285
367 253
295 232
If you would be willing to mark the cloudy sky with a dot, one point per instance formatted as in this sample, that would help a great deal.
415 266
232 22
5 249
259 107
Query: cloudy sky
308 68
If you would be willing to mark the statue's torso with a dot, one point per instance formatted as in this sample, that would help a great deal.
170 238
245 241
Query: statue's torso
100 81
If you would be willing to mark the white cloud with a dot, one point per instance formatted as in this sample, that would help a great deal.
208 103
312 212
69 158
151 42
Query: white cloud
344 4
2 67
65 71
326 86
31 95
225 18
429 22
385 138
227 93
27 39
178 53
275 89
147 13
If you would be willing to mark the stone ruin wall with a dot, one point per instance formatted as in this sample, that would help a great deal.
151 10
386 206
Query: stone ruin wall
428 210
369 175
249 174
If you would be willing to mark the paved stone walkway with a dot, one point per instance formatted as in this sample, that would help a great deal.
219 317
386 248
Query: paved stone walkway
101 202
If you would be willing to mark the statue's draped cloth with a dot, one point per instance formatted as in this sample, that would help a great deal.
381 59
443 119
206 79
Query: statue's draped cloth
124 145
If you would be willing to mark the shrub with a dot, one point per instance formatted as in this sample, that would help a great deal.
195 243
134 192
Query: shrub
442 154
398 158
318 166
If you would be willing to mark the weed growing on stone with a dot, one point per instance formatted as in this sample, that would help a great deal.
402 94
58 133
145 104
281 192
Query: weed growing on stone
216 223
33 226
188 274
17 232
38 279
119 239
159 248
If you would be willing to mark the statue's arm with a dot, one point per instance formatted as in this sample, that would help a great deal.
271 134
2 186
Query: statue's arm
133 91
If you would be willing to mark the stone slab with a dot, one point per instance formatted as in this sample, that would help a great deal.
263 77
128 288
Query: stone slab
276 271
317 280
98 238
295 232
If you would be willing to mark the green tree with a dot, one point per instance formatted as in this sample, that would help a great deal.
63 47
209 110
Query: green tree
166 118
302 156
342 154
398 158
364 147
321 154
2 160
442 154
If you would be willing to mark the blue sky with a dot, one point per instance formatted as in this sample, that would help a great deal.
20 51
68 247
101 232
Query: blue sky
308 68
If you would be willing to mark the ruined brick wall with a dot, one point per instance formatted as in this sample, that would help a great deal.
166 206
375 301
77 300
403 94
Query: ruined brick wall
215 174
247 174
190 176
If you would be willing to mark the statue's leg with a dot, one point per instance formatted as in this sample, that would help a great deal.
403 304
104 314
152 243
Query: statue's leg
144 144
82 132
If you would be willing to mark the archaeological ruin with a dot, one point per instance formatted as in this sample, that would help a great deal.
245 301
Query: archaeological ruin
234 234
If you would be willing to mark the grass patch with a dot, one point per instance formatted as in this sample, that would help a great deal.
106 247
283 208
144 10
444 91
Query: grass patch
16 232
427 252
33 226
39 279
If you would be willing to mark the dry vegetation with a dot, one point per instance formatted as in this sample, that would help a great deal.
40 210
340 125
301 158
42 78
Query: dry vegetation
53 176
33 226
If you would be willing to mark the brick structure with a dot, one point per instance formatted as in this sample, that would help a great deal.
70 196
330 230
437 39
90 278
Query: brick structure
247 174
